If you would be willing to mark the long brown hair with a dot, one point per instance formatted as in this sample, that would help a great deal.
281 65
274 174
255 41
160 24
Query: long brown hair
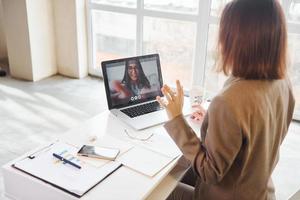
143 80
253 40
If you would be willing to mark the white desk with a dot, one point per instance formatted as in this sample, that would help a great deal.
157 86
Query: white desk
122 184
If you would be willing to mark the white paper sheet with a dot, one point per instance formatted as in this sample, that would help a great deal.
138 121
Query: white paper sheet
145 161
161 143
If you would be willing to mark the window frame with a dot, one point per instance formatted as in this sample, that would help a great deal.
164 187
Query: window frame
202 19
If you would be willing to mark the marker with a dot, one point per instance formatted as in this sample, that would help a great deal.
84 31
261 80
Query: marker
66 160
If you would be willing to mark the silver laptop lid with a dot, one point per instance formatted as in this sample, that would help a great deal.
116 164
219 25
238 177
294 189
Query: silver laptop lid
131 81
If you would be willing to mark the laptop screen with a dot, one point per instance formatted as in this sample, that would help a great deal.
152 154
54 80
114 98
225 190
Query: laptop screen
132 80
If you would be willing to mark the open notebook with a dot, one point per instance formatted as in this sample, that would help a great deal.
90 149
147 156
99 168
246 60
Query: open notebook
64 176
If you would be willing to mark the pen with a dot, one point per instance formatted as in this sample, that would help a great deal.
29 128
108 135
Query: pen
66 160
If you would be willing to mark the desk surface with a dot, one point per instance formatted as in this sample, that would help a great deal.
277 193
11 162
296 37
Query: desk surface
124 183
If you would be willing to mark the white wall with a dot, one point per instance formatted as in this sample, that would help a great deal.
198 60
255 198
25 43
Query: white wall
3 51
65 28
70 31
17 38
42 38
30 38
45 37
82 47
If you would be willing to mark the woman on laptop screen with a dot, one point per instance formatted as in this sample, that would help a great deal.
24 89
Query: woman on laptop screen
134 78
134 85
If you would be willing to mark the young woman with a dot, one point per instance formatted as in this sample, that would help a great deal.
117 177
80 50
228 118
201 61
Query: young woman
134 77
247 121
134 85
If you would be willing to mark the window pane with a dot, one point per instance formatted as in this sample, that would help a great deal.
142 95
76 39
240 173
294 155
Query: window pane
178 6
174 41
213 81
294 51
120 3
294 11
217 7
113 36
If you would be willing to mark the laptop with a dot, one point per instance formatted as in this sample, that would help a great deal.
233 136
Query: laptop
131 86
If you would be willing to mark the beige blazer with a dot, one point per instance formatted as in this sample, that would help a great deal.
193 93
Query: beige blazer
240 139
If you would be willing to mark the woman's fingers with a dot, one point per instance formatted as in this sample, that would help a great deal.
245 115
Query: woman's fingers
166 93
179 89
169 90
178 86
172 96
161 101
172 102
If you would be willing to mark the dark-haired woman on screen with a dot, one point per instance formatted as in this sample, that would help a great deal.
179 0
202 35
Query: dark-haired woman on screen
247 121
134 85
134 77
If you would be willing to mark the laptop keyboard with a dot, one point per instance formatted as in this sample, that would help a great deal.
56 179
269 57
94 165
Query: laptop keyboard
142 109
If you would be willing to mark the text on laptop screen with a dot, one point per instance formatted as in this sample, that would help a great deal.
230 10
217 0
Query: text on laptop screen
133 80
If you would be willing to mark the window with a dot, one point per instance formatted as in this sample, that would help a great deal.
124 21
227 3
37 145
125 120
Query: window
114 36
175 50
120 28
183 32
294 51
292 10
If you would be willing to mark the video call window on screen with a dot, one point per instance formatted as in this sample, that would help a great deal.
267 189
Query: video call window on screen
133 80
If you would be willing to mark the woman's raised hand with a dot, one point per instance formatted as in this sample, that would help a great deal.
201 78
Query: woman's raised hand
121 89
173 101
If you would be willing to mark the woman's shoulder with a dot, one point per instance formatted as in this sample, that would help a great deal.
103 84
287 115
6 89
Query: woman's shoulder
241 87
245 94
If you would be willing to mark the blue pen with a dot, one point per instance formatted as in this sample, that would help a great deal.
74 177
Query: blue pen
66 160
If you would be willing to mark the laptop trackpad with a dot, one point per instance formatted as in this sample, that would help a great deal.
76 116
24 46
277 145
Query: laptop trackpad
148 120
